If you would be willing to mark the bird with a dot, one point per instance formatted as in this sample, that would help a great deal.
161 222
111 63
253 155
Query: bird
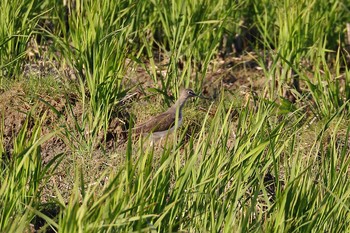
161 125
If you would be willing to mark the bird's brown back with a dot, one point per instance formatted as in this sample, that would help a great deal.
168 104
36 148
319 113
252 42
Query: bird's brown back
158 123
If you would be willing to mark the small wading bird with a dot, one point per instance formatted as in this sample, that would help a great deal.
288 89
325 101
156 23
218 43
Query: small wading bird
159 126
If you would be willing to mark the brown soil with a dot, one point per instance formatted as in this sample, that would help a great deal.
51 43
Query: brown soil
17 107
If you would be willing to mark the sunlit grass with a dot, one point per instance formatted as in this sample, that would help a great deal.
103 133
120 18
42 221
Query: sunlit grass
258 162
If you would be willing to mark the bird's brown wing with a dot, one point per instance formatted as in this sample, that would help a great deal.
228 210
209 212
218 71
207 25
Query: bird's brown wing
161 122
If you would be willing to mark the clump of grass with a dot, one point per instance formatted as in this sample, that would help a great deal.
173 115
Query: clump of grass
21 177
18 23
296 32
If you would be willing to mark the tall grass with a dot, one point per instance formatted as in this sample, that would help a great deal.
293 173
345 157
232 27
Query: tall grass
22 176
297 32
95 45
210 184
18 24
266 165
190 32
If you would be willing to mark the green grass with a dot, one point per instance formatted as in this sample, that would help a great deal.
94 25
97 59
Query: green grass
242 162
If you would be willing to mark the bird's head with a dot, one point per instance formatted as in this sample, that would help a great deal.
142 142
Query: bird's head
187 93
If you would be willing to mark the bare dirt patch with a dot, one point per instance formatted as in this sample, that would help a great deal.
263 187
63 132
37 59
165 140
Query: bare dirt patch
16 107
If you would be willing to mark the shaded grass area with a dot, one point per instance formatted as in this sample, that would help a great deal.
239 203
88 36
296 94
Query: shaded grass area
268 153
